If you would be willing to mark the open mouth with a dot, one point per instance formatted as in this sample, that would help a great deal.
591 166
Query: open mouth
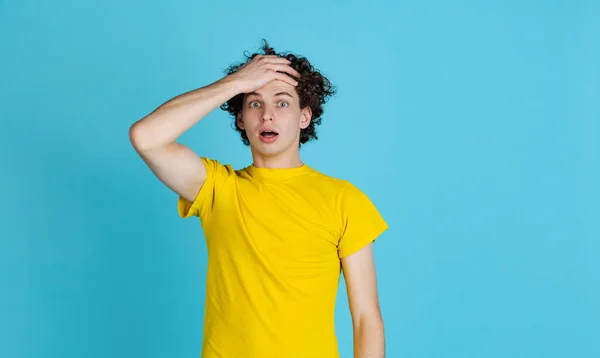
268 134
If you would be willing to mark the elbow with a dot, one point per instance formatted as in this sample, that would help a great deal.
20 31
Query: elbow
139 138
369 321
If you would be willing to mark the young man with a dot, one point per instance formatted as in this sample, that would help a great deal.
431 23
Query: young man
278 232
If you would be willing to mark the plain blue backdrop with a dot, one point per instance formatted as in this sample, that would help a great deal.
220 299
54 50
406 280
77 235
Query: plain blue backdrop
472 125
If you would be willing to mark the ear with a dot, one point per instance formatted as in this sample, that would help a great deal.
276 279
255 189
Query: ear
240 121
306 117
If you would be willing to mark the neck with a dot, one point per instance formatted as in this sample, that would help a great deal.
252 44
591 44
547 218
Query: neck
287 159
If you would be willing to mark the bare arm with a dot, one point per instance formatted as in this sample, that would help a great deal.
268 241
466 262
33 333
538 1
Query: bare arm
361 285
154 136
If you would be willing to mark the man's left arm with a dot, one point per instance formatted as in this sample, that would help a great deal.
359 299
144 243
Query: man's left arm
361 286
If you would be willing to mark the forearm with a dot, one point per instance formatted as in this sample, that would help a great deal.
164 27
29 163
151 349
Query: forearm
170 120
369 339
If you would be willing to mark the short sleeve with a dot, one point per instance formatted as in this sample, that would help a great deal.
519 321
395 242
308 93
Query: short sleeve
217 176
361 221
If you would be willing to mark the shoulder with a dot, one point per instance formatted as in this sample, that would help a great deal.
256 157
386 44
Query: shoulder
215 163
219 168
344 194
327 179
348 194
341 186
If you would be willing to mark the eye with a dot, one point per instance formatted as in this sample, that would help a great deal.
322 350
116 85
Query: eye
254 104
283 104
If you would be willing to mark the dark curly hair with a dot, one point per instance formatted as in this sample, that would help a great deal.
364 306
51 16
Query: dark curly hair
313 88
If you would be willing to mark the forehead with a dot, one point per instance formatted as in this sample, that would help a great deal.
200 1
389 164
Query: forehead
275 87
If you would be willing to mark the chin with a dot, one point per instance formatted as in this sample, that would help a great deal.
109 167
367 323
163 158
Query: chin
269 152
269 149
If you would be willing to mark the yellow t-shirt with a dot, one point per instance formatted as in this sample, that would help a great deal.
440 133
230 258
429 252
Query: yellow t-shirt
274 240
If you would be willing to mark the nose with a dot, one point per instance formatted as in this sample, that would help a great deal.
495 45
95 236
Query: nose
268 115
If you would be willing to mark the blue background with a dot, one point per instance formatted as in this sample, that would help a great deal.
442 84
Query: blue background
472 125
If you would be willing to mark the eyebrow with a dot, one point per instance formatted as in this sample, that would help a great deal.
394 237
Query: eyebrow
283 94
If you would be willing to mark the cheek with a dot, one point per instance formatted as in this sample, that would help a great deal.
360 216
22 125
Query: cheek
249 120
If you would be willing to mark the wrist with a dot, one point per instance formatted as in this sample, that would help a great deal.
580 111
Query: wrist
231 84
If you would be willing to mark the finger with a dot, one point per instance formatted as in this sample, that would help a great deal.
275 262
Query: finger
285 78
270 57
286 69
275 59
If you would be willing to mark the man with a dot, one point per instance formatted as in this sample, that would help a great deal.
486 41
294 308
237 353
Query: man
278 232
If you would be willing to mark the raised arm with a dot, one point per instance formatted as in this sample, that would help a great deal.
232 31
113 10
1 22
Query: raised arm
154 136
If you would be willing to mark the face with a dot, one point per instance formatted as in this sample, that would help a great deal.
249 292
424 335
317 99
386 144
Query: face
273 119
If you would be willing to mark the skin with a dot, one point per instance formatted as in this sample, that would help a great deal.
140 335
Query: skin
276 106
271 101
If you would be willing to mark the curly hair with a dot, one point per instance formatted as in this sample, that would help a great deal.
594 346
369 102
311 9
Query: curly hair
313 88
